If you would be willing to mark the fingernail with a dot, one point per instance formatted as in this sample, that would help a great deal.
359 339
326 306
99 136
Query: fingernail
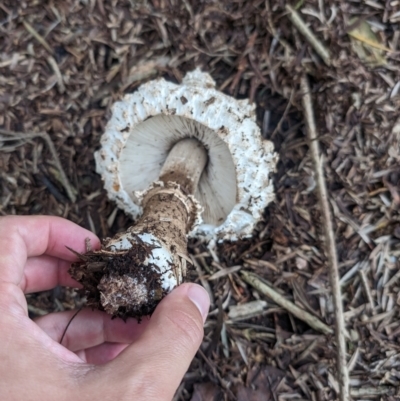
199 296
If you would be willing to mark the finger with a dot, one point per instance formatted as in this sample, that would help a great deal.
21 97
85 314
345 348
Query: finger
90 328
23 236
166 348
46 272
101 354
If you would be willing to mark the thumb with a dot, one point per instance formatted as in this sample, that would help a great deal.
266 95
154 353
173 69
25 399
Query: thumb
157 361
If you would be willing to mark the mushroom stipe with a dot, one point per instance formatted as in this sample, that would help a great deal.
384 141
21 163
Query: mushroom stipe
133 271
194 168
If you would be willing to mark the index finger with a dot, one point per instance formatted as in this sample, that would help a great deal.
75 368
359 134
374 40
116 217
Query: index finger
25 236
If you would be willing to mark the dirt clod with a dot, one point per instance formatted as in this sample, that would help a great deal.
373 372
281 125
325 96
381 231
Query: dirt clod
121 283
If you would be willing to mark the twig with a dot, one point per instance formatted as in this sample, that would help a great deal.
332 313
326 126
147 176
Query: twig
284 115
44 135
273 30
369 392
37 311
261 286
39 38
317 45
54 66
367 290
330 244
63 176
203 281
224 272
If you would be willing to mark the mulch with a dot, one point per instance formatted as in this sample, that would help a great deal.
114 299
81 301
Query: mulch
62 66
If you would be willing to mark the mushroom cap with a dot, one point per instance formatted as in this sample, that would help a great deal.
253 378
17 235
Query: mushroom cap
236 184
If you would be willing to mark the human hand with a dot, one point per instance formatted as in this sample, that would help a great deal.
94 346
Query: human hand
100 358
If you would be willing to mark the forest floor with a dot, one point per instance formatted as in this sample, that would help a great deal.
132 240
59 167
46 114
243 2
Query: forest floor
63 65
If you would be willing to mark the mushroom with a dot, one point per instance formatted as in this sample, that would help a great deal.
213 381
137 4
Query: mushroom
184 161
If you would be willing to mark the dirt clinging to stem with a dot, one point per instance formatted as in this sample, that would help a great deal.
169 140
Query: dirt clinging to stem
104 276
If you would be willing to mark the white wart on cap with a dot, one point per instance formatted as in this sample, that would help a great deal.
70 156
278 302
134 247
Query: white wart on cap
235 185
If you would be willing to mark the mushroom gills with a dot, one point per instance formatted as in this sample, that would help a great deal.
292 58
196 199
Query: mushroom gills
148 146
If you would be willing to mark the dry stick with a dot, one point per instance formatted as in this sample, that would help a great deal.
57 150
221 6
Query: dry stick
330 244
56 69
39 38
261 286
273 30
369 392
317 45
50 144
37 311
203 281
284 115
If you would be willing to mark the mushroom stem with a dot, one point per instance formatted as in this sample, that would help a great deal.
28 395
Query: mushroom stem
141 265
185 164
169 211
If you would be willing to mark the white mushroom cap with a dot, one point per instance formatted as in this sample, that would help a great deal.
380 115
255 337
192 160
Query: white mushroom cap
235 186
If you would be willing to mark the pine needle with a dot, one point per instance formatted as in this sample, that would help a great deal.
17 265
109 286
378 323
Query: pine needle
38 37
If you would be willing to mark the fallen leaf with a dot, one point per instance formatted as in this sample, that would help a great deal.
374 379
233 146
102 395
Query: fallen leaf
367 45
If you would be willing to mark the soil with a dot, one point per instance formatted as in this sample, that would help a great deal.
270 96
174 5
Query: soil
95 269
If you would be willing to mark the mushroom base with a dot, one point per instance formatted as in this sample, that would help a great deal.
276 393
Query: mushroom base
133 271
121 283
